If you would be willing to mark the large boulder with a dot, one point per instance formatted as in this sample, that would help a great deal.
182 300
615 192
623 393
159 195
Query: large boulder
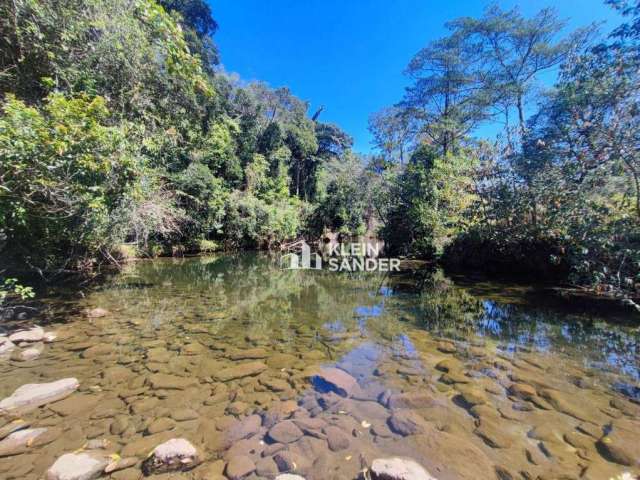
78 466
32 395
396 468
174 454
334 380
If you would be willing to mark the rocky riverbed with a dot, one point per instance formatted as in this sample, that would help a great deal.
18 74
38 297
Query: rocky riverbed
227 379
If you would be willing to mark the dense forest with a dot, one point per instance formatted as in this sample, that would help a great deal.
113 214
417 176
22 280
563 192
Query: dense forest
121 135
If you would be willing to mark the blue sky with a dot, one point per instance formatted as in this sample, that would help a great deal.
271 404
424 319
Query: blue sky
349 55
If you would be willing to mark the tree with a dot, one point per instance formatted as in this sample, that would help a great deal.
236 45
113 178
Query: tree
513 50
196 17
429 201
393 130
447 98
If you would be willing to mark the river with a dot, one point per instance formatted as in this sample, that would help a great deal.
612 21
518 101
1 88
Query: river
238 356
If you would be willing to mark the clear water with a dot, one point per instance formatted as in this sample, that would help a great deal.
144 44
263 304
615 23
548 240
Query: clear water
194 318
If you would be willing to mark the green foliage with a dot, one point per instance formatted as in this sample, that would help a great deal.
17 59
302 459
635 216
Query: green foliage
343 198
64 170
429 202
10 288
253 223
141 145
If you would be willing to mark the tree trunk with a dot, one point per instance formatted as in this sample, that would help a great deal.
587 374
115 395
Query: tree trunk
521 114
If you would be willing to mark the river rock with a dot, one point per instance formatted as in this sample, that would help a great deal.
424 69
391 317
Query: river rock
96 312
33 334
19 442
407 422
473 396
172 455
276 384
522 390
266 467
336 380
396 468
6 345
410 400
239 466
281 360
161 425
621 446
447 347
565 403
245 428
161 381
28 354
285 432
336 438
49 337
120 464
184 414
249 369
13 426
289 476
249 354
78 466
32 395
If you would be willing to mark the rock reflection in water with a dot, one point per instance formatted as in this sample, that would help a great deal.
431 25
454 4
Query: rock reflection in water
239 358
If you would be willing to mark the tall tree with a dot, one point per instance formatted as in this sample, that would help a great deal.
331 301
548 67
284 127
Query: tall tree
447 97
515 49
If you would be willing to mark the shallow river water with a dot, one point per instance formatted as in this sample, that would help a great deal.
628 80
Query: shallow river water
236 356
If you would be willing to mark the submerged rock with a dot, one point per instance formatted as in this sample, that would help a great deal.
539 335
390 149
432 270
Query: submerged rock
336 438
78 466
396 468
410 400
161 381
336 380
239 466
244 429
249 369
19 442
174 454
32 395
621 446
285 432
407 422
